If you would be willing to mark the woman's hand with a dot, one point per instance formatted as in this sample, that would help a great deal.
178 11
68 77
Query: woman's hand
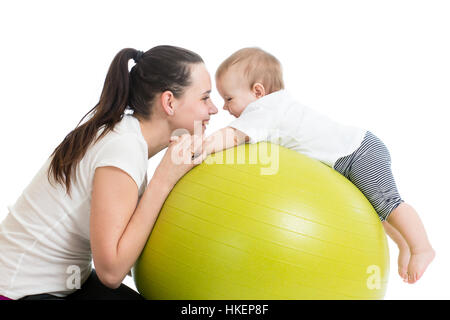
119 229
178 159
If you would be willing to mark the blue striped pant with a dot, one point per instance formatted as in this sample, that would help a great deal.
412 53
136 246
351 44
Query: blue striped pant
369 169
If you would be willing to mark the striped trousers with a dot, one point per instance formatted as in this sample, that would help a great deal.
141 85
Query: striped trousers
369 169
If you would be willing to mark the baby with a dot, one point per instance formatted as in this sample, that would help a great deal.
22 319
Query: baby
251 84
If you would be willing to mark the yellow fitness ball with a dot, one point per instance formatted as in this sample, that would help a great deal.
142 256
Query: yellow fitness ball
260 221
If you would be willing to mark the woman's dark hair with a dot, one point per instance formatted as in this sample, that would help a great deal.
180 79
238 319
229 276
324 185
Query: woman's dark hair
162 68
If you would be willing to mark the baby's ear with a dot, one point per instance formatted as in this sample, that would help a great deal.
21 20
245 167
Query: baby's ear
258 90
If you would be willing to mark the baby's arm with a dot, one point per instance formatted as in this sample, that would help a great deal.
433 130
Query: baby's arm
224 138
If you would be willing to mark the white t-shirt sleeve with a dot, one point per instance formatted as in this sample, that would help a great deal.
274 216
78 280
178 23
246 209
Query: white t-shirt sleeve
126 152
256 122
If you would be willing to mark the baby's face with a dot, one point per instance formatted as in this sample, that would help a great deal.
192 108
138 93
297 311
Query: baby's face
235 91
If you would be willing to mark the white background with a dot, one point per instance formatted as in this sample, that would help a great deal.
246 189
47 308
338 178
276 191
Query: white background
380 65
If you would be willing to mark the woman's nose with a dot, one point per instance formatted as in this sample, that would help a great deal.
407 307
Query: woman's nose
213 109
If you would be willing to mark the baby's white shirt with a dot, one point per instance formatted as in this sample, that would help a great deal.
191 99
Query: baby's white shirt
279 118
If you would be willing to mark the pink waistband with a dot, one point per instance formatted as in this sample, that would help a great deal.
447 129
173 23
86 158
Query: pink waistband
4 298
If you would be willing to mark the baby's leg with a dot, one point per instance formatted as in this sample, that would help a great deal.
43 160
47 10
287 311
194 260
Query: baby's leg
406 220
404 253
369 168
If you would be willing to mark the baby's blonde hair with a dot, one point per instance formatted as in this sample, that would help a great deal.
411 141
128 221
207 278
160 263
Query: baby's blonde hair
259 66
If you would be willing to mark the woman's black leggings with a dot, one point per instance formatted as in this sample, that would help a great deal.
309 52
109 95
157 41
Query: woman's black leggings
93 289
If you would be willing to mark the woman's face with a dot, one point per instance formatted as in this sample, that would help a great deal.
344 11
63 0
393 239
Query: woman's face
194 108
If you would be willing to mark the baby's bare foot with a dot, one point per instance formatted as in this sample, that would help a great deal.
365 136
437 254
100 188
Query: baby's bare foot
403 261
418 262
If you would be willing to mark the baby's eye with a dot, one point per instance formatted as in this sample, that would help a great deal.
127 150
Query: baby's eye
229 99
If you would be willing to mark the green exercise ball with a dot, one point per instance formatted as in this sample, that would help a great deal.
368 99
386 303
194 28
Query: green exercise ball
260 221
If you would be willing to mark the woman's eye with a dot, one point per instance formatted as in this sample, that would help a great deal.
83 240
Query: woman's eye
205 98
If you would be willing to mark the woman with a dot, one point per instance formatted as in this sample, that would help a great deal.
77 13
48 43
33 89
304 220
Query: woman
90 200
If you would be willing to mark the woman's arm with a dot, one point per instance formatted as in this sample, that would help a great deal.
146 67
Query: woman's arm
119 225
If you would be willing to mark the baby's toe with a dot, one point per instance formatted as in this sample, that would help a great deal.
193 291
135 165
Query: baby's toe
410 278
413 278
403 272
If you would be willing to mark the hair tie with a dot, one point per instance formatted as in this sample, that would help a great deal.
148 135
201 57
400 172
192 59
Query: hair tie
138 56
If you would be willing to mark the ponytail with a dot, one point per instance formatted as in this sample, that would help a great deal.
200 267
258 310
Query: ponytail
107 112
157 70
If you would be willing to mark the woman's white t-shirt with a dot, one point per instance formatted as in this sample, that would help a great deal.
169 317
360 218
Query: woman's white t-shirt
44 240
280 119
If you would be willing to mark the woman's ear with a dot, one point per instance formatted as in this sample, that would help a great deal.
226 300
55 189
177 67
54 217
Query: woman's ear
166 102
258 90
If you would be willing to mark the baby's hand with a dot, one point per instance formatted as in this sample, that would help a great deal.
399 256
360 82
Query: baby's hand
222 139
